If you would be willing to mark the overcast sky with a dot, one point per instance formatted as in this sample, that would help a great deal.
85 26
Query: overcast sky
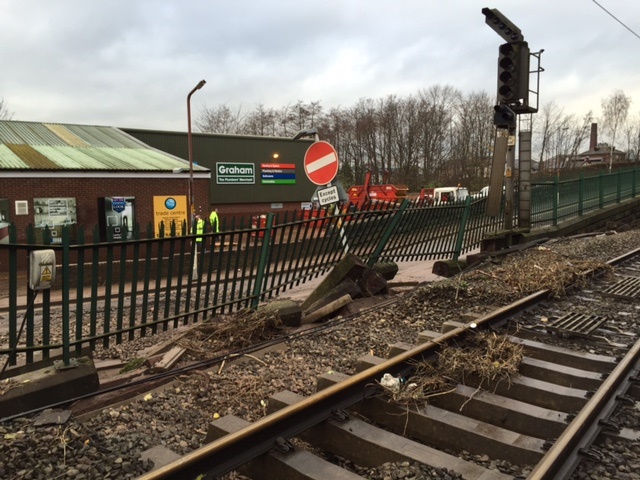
132 63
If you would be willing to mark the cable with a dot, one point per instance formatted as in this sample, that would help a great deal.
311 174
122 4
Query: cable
616 19
13 349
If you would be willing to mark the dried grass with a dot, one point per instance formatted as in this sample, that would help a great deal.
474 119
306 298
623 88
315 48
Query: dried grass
223 333
538 269
487 355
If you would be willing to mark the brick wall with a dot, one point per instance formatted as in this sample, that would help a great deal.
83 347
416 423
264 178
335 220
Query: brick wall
86 191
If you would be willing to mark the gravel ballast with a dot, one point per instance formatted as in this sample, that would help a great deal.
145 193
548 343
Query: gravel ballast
110 443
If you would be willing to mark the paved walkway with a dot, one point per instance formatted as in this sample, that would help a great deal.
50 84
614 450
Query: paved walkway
408 273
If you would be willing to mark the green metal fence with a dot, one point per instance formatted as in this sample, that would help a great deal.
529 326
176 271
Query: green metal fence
111 292
559 200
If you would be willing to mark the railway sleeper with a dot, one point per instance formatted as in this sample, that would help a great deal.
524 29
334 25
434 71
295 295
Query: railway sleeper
558 374
296 464
448 430
499 410
370 446
530 390
565 356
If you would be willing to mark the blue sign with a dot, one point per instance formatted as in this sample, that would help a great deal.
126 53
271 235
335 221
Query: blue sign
118 204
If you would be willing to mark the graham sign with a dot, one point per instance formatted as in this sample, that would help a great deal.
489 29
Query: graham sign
237 173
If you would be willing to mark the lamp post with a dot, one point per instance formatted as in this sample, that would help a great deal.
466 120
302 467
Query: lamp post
191 202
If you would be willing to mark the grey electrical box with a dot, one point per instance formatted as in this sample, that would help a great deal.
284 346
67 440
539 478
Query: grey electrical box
42 269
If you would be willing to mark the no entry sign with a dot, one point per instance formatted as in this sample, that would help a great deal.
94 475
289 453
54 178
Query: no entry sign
321 163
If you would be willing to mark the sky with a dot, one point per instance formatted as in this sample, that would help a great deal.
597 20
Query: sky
132 64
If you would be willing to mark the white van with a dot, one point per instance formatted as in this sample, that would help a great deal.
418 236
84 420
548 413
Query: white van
449 194
485 191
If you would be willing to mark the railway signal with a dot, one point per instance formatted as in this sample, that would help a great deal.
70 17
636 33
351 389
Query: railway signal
501 25
504 117
513 74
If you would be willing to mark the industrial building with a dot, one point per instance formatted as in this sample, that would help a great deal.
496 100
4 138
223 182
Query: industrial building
56 175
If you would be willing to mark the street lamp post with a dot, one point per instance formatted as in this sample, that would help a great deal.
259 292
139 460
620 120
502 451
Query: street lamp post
191 201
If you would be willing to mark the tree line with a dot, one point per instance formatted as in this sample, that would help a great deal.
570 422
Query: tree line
438 136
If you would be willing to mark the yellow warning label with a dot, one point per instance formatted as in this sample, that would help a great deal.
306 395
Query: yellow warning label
45 274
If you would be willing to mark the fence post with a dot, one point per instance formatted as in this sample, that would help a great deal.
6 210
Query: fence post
556 199
619 187
66 357
387 234
601 191
262 262
13 292
462 229
633 181
581 195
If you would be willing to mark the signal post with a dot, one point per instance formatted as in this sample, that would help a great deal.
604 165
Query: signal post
512 100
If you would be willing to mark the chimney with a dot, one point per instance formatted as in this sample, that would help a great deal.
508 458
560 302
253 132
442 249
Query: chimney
593 143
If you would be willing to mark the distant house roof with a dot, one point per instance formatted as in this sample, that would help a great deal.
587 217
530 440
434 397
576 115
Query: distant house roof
601 149
51 147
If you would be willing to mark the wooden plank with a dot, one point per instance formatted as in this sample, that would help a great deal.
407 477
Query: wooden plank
169 359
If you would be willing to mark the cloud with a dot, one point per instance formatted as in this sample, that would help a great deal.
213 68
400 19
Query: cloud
132 64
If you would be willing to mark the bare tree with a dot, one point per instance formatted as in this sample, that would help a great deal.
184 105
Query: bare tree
615 109
261 121
632 138
549 118
471 140
5 114
220 120
436 117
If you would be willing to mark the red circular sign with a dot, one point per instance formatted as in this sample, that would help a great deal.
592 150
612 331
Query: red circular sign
321 163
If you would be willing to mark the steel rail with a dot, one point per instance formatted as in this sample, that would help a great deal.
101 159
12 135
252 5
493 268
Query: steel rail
562 458
235 449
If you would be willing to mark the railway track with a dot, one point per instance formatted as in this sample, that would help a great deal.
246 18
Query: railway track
579 366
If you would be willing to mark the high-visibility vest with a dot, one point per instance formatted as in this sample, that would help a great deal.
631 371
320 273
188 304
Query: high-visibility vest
199 229
214 221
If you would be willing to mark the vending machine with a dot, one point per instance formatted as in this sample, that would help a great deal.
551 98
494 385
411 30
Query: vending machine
117 218
5 220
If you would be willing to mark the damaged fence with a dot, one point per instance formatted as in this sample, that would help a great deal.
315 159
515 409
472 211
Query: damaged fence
114 291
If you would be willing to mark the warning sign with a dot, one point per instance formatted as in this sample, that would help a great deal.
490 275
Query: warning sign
45 274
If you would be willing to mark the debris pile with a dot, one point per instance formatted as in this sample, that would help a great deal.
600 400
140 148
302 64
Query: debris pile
227 332
487 355
537 269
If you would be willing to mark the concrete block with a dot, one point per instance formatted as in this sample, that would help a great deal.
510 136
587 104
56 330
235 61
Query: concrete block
451 325
329 379
289 312
368 361
48 386
349 267
428 336
398 348
160 456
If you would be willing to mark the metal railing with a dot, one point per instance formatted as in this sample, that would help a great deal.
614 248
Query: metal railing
111 292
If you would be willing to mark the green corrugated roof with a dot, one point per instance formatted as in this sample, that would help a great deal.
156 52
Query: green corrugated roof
46 146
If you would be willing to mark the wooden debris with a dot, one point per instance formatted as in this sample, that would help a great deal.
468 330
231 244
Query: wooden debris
388 270
372 282
168 360
326 310
288 311
346 287
349 267
448 268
